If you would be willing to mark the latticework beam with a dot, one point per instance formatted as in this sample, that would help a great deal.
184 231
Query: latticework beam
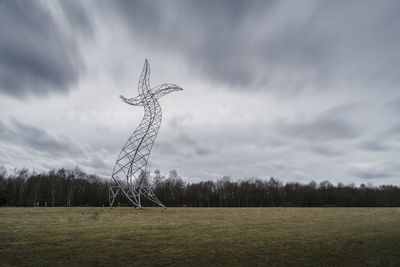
131 165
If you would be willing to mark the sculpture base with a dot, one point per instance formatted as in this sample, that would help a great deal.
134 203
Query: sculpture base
133 194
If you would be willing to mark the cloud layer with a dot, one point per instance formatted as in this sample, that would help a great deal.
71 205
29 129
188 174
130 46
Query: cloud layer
297 91
39 54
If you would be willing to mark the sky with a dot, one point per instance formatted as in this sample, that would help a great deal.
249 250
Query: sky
296 90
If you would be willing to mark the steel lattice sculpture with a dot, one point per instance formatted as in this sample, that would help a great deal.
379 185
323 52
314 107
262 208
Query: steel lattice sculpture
129 174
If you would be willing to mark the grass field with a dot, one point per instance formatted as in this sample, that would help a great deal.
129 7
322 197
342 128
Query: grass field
200 236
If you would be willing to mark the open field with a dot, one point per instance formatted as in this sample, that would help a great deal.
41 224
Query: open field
200 236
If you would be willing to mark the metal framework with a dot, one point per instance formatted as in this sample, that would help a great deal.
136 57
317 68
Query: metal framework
129 174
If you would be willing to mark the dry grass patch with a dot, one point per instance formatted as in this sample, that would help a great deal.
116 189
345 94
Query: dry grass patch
200 236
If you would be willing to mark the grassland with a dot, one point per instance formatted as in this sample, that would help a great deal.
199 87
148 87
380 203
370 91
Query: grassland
200 236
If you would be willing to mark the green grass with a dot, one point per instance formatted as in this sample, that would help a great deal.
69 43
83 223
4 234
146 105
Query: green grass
200 236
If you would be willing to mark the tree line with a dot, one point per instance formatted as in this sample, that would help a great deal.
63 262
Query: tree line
76 188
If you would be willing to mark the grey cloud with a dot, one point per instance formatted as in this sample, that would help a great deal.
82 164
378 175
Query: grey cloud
96 163
78 17
376 170
394 105
264 44
37 56
210 34
393 131
275 142
4 131
373 145
31 137
165 148
347 48
201 151
29 146
369 174
182 144
323 128
327 151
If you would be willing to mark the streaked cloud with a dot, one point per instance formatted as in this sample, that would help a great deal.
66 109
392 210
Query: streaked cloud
295 90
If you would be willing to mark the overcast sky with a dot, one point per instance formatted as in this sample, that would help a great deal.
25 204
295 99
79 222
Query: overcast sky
297 90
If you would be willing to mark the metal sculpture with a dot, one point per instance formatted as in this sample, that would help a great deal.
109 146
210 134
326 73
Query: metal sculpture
129 174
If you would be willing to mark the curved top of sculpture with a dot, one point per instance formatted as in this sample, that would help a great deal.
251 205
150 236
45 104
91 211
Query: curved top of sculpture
144 90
